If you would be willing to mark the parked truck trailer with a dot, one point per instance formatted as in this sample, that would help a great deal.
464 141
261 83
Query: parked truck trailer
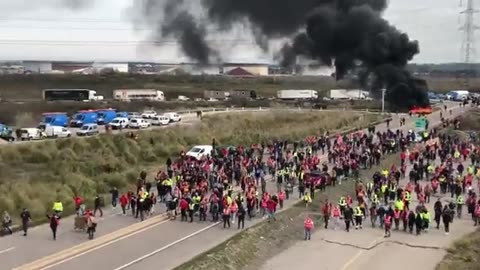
297 94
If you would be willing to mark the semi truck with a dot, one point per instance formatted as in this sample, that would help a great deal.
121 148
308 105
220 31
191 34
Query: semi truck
297 94
71 95
215 94
350 94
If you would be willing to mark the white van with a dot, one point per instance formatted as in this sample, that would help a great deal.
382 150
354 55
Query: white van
119 123
174 117
57 132
160 120
31 134
199 151
88 130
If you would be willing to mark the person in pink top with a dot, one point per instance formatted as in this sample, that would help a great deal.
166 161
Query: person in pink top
336 216
308 225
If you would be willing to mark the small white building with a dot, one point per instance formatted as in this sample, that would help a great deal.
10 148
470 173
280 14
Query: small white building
253 69
37 66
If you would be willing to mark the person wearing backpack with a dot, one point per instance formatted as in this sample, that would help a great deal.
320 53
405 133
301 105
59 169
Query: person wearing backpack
91 225
54 223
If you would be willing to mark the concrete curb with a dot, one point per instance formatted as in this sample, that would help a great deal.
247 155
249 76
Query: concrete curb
75 250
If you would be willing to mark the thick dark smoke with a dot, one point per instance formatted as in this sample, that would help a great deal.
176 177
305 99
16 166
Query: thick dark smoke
349 34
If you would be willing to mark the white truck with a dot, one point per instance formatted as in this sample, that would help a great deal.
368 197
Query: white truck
297 94
350 94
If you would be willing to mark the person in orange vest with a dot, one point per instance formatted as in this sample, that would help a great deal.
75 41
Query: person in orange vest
308 225
233 211
226 217
396 216
388 225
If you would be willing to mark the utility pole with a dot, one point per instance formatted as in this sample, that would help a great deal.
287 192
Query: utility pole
468 29
383 100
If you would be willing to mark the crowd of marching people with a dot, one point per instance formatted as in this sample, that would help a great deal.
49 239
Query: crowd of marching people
230 185
445 167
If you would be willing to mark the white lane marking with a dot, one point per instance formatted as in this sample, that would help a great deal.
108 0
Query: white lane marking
165 247
7 250
103 245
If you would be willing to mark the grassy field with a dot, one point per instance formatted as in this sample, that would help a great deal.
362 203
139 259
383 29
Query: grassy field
34 175
250 249
30 86
463 254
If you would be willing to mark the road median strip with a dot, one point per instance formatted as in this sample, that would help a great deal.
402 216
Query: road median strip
84 247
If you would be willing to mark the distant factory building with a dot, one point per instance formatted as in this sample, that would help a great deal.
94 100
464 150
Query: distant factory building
37 66
247 69
69 67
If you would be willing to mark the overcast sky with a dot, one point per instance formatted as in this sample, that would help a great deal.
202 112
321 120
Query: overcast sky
101 30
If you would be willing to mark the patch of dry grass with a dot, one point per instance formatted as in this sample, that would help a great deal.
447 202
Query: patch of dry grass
33 175
463 254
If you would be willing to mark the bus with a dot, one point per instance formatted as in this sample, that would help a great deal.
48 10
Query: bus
71 95
138 94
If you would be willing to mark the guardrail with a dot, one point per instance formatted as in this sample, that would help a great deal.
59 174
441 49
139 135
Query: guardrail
259 109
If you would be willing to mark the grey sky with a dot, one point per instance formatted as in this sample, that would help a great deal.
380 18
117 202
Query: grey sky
102 31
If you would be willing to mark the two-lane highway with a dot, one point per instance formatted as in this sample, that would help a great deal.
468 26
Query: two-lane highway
163 245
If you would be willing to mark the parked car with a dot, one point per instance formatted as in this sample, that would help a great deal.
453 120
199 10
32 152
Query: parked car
27 134
200 151
57 132
88 130
132 115
138 123
149 114
174 117
119 123
160 120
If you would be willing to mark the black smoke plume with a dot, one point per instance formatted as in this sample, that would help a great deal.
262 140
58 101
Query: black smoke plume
349 34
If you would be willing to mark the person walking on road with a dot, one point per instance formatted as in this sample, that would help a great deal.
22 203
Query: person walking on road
447 219
54 223
26 219
97 203
308 225
114 193
7 222
348 216
388 225
123 203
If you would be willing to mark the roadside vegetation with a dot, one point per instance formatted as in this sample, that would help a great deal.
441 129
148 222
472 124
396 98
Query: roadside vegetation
250 248
463 254
33 175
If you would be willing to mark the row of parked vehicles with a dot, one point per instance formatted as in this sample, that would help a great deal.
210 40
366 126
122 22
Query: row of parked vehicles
55 124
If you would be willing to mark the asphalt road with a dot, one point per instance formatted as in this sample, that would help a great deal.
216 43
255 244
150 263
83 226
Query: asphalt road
164 245
368 249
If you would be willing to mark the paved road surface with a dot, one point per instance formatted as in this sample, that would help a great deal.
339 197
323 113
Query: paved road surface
163 241
425 253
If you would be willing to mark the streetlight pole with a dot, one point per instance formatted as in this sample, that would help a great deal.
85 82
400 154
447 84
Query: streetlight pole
383 99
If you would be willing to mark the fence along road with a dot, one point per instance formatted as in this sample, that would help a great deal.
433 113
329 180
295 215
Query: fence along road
149 248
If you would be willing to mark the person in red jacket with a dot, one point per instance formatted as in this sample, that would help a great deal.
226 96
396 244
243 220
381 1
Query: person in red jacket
271 208
183 209
124 202
78 201
308 225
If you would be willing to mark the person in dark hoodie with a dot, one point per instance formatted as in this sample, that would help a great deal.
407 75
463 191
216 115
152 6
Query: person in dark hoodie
411 221
447 218
348 216
418 223
438 212
54 223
